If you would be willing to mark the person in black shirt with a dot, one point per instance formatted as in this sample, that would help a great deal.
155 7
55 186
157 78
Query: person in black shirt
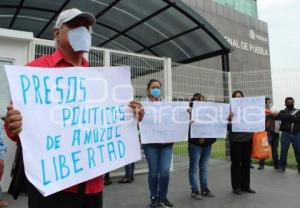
290 127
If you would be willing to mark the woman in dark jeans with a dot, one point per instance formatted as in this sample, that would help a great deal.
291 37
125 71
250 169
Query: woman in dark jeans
159 157
199 154
240 154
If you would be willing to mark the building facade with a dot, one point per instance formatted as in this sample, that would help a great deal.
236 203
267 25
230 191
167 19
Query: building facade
239 24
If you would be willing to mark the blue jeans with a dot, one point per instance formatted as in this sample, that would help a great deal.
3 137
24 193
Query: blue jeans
129 170
199 157
159 162
286 139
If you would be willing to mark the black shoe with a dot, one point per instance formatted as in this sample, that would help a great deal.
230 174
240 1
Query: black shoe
249 190
166 203
276 166
207 192
237 191
107 182
196 195
281 170
125 180
260 167
251 166
154 203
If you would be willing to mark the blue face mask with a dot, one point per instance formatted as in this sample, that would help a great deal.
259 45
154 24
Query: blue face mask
80 39
269 105
155 92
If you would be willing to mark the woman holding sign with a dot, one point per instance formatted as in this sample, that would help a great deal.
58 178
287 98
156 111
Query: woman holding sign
240 153
159 156
199 155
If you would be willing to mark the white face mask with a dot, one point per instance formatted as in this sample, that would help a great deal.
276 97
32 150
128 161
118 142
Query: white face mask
80 39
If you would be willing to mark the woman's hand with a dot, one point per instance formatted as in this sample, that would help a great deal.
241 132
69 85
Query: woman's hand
189 110
138 110
230 116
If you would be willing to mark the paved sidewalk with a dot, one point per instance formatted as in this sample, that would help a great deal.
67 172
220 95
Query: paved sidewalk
274 190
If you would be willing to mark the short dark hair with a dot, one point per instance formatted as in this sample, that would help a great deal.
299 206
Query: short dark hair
289 98
267 99
236 92
196 95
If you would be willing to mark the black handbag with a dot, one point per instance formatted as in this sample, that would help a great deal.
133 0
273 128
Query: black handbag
19 182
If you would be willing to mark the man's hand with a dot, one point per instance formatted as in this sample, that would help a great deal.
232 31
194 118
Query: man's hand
138 110
13 120
1 168
274 114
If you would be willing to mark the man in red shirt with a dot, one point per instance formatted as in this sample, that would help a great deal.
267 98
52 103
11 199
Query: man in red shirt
73 38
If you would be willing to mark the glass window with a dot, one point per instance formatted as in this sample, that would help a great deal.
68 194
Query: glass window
248 7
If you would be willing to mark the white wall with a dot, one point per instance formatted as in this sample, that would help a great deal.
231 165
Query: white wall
14 46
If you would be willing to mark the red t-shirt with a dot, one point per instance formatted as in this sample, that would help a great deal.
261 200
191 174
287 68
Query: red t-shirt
56 60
